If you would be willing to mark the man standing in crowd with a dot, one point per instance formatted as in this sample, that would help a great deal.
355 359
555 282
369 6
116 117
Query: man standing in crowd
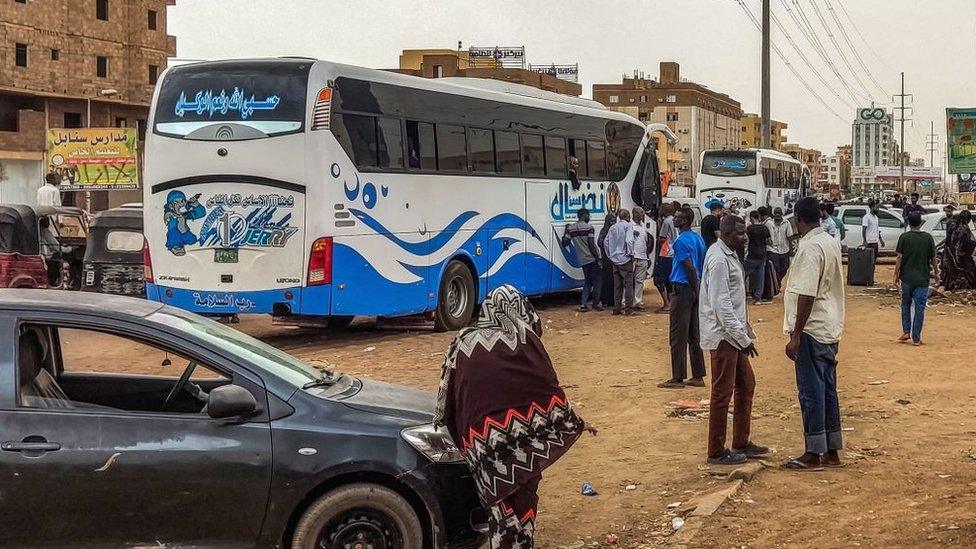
710 223
689 254
917 261
759 239
814 320
914 206
581 235
643 251
49 194
827 221
871 229
779 249
662 266
726 334
620 249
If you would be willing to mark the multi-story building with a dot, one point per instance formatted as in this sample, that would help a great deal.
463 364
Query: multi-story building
873 147
752 132
701 118
809 157
835 171
63 61
441 63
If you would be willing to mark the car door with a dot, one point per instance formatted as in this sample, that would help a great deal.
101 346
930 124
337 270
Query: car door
891 227
852 217
84 474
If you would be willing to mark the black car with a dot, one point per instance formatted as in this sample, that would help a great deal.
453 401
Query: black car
128 423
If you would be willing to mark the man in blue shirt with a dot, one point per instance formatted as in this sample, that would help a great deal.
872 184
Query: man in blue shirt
689 254
620 250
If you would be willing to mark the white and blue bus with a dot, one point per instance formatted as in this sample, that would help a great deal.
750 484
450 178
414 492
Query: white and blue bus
315 191
751 178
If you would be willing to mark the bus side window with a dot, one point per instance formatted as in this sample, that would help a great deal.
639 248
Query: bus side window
533 157
358 138
507 153
452 150
421 150
482 150
389 142
556 157
596 152
577 149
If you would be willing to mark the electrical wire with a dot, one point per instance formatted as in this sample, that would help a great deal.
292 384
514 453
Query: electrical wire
850 44
833 40
861 36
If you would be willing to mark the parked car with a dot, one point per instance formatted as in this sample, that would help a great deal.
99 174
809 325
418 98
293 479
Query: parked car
113 258
890 224
21 262
695 207
129 423
935 224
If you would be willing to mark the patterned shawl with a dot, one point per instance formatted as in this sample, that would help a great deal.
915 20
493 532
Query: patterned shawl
500 398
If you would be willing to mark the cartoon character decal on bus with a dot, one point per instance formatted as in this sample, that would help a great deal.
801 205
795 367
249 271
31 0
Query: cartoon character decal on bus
176 214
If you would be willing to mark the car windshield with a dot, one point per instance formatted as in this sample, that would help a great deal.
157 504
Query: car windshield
254 351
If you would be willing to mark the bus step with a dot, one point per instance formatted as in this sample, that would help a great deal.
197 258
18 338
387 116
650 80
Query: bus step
301 321
415 322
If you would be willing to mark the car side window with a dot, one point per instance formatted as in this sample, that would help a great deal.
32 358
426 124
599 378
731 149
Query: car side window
853 216
86 369
889 221
941 225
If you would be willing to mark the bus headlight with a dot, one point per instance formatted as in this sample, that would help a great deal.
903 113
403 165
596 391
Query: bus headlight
435 444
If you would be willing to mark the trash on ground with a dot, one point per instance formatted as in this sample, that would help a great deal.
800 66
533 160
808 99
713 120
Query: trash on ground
611 539
879 382
369 349
903 401
674 505
688 408
677 523
630 487
587 489
847 429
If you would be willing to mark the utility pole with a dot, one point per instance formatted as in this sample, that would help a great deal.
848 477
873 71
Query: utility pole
932 144
767 126
901 118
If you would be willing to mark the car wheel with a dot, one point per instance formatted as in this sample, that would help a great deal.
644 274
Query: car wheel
339 322
359 515
455 299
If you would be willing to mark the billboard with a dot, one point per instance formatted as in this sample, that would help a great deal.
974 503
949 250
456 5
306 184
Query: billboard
93 159
564 72
912 173
961 135
508 57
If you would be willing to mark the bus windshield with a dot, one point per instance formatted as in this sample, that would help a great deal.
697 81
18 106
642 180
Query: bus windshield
728 164
268 97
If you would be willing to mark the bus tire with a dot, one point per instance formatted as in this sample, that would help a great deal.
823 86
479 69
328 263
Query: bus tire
339 322
368 514
456 298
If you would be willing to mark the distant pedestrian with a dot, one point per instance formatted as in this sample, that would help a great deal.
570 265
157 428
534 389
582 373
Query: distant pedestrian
814 320
871 229
726 334
606 266
710 223
49 194
960 268
912 206
620 249
916 263
779 250
684 336
667 233
582 236
827 222
643 252
759 239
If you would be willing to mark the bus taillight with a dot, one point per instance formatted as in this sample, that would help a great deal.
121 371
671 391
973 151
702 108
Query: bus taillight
320 262
323 106
147 261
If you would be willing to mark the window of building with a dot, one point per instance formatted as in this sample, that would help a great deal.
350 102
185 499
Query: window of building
20 1
508 158
438 71
672 117
533 155
55 54
72 120
421 146
101 66
632 100
20 53
141 128
120 122
101 10
556 157
452 150
643 99
153 74
642 116
671 99
153 19
614 99
482 145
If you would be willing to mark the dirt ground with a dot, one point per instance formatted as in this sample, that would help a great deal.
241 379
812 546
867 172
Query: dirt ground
911 460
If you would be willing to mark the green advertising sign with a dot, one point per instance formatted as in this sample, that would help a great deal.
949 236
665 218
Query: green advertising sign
961 134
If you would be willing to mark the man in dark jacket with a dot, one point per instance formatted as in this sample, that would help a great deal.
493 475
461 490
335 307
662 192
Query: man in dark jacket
581 237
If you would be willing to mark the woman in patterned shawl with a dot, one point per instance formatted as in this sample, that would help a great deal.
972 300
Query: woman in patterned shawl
500 400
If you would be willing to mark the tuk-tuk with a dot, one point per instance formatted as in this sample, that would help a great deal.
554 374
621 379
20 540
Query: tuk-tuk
113 260
63 235
21 262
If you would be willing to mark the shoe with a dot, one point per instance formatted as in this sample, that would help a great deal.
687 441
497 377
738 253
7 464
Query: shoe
584 309
616 312
728 457
752 450
629 312
905 337
638 307
672 384
598 307
695 382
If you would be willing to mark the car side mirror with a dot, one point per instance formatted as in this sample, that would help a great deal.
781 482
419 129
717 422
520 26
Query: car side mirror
229 401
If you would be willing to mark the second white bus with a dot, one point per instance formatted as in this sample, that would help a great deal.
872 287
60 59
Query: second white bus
751 178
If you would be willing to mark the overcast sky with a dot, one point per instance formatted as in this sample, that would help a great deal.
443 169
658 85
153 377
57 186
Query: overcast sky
933 41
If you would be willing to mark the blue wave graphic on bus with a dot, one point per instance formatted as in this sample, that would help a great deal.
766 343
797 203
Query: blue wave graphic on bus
569 254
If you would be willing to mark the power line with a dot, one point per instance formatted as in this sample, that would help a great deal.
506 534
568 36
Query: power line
833 40
806 27
789 65
861 36
850 44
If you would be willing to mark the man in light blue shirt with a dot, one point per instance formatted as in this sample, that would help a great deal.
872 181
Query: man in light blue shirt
620 250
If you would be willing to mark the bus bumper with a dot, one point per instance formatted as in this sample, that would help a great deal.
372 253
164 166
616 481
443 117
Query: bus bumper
215 302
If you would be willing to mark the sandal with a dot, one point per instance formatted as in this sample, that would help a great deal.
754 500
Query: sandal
797 465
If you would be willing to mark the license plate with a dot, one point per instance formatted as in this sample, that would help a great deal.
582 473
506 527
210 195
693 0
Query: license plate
225 256
89 278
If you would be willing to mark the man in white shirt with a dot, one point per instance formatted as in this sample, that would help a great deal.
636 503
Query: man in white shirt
726 334
870 229
643 250
781 233
49 194
814 320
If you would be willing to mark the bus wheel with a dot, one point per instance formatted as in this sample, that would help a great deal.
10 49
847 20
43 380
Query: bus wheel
456 298
339 322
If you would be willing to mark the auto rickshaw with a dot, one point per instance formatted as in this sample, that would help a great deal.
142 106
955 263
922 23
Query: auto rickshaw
113 260
63 235
21 262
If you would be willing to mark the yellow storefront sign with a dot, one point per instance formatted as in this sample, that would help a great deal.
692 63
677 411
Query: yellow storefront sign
93 159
